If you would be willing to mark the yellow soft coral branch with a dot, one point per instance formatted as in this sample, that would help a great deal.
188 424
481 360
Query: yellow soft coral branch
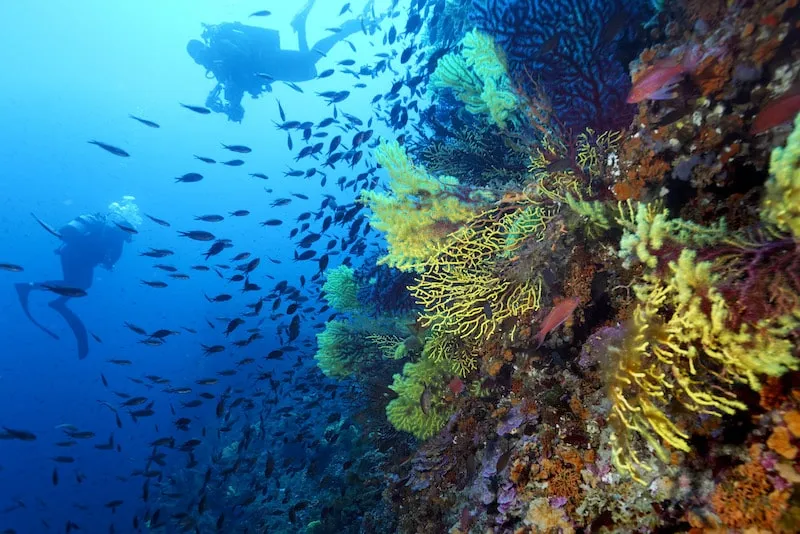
478 78
681 348
420 211
781 206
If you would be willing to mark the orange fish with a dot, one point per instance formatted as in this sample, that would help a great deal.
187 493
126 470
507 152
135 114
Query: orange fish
777 112
562 311
658 80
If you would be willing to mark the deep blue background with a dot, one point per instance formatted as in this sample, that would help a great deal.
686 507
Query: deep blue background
72 71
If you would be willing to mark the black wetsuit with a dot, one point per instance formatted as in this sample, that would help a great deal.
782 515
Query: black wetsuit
248 59
87 241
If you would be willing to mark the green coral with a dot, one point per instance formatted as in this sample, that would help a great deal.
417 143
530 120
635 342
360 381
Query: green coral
342 350
406 412
781 206
420 211
341 289
477 76
592 213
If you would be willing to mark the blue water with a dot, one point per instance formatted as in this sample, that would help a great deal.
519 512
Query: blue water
72 72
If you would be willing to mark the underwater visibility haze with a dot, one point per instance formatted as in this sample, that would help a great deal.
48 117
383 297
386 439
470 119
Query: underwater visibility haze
414 266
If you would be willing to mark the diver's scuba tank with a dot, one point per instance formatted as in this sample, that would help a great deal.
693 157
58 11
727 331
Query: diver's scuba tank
81 227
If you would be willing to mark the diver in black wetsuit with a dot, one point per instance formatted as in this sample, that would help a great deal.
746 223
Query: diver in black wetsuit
87 241
248 59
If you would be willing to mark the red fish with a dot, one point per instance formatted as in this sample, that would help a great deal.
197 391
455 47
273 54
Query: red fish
557 316
456 386
777 112
659 79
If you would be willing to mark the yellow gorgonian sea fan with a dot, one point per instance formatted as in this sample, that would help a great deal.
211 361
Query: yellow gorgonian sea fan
419 211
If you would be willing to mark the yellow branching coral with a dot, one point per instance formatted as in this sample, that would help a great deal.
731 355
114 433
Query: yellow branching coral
421 210
447 347
781 205
680 348
593 214
389 345
646 228
341 289
478 78
420 407
461 288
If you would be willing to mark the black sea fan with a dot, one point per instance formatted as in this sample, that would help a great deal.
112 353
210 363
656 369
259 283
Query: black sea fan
383 289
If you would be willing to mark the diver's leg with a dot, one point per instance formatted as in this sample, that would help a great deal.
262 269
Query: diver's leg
233 101
350 27
299 25
77 273
23 292
75 324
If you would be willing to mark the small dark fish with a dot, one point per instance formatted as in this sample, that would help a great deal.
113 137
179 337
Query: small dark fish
210 218
549 45
205 160
158 221
502 462
197 109
259 175
325 73
109 148
126 228
139 330
345 9
620 20
239 213
146 122
233 163
11 267
425 400
168 268
96 337
219 298
262 13
274 355
240 149
198 235
272 222
189 177
560 165
406 55
22 435
157 284
280 110
71 292
294 85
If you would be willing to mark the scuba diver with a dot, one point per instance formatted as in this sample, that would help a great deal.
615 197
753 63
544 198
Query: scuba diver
86 242
248 59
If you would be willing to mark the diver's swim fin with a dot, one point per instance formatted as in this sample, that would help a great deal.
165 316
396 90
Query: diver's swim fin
46 226
23 291
75 324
